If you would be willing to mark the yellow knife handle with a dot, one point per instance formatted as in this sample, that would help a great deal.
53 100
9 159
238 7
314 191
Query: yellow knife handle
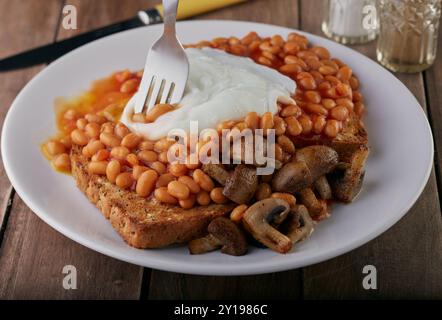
190 8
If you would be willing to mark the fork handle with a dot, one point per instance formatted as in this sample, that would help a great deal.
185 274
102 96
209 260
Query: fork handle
170 14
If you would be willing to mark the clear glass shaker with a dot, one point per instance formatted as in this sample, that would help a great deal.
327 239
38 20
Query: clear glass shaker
350 21
408 34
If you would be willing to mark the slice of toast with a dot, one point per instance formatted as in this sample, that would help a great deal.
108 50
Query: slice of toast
143 223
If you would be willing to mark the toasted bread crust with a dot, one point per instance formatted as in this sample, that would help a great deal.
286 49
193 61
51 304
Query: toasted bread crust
143 223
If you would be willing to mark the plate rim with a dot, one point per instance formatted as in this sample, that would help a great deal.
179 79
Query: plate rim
193 268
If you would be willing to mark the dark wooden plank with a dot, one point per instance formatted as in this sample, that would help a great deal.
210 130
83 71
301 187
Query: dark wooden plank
18 20
165 285
407 257
433 80
33 255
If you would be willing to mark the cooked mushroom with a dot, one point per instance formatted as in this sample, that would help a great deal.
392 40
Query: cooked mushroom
256 221
319 159
224 234
242 184
308 198
205 244
311 163
300 225
323 188
232 238
217 172
347 183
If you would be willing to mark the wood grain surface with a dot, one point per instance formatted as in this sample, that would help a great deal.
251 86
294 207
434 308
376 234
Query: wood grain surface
32 255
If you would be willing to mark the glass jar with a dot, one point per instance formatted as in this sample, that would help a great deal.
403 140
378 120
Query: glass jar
408 34
350 21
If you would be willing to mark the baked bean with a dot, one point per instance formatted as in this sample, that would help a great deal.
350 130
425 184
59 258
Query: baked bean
62 162
277 40
238 49
268 55
321 52
165 179
178 169
108 127
147 156
279 153
157 111
124 180
359 109
313 64
95 118
55 148
316 108
304 54
343 90
263 191
240 126
217 196
204 181
264 61
328 103
178 190
131 141
203 198
357 96
332 128
79 137
319 78
138 170
93 147
139 118
327 70
162 157
266 46
113 169
294 128
225 125
66 141
308 83
291 110
289 198
97 167
163 145
345 103
120 153
93 130
146 183
85 152
109 139
188 203
254 45
237 213
280 125
252 120
158 167
344 74
249 38
130 86
267 122
313 96
292 68
146 145
306 124
319 124
339 113
132 160
163 196
354 83
71 114
81 124
286 144
190 183
291 48
101 155
324 86
123 76
121 130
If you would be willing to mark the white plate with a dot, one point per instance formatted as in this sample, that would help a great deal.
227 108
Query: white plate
397 170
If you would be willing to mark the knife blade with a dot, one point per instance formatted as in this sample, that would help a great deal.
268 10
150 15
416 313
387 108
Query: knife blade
50 52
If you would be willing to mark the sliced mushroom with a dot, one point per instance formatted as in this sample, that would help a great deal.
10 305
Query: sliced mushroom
242 184
224 234
323 188
301 225
347 183
217 172
256 221
310 164
319 159
308 198
232 238
205 244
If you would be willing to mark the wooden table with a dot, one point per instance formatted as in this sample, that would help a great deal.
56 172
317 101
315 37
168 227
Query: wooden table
408 257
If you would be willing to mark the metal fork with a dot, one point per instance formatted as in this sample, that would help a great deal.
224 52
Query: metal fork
167 68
